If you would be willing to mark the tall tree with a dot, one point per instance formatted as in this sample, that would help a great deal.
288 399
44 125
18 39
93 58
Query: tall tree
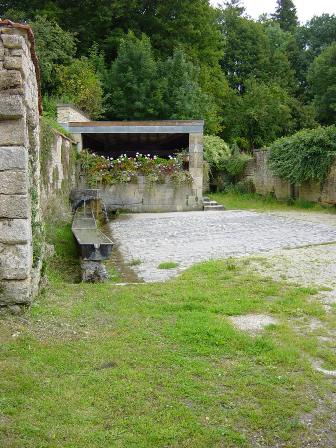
54 47
132 85
246 49
322 83
286 15
181 94
307 43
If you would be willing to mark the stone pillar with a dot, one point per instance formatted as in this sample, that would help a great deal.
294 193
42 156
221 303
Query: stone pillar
196 163
69 113
19 163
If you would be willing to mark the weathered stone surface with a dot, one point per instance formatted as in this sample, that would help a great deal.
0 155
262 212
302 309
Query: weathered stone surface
15 261
19 138
14 206
93 271
13 182
13 41
15 231
10 79
196 160
12 133
12 157
13 62
11 107
14 291
16 52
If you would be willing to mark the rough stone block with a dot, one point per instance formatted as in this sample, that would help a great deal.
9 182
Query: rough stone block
14 206
10 79
15 261
13 182
16 52
2 53
15 291
13 41
13 62
195 139
196 160
13 157
12 133
15 231
11 107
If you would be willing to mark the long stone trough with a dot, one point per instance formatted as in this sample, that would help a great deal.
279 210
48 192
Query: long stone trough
93 244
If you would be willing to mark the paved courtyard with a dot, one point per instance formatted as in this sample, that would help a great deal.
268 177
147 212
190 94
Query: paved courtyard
192 237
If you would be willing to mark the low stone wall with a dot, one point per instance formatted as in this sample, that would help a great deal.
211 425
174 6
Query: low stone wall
142 197
266 182
57 163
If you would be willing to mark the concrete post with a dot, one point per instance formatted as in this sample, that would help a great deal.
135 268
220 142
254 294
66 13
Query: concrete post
196 163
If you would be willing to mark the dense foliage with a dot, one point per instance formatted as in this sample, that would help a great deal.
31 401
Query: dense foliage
100 170
305 156
322 76
252 81
223 158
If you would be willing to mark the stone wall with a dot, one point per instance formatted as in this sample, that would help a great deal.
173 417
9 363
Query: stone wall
57 163
34 166
142 198
266 182
19 165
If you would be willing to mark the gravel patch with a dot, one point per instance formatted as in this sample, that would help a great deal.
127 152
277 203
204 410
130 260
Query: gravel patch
253 323
191 237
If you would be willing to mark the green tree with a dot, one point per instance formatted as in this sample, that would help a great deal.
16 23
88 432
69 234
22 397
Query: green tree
262 114
322 83
181 95
132 86
280 70
246 49
54 47
189 23
309 41
286 15
79 84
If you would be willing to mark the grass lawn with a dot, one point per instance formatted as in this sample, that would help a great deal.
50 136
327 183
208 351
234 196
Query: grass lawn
159 365
254 201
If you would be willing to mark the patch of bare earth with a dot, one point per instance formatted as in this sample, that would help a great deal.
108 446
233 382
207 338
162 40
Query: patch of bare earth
253 323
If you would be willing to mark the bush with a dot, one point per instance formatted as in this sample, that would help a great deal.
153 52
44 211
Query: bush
78 83
230 162
305 156
216 151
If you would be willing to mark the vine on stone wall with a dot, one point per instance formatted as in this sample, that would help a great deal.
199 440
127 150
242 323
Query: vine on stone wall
305 156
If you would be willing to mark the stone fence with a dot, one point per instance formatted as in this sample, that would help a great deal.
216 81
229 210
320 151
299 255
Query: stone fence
21 220
266 182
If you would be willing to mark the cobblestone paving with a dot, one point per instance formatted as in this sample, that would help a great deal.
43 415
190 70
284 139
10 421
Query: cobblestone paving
191 237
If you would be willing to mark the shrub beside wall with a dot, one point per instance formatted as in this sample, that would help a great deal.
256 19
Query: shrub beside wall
306 156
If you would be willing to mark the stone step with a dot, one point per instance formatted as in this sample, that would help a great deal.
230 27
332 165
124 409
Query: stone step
210 202
217 207
206 199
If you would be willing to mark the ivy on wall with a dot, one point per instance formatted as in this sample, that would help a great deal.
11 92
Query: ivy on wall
305 156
